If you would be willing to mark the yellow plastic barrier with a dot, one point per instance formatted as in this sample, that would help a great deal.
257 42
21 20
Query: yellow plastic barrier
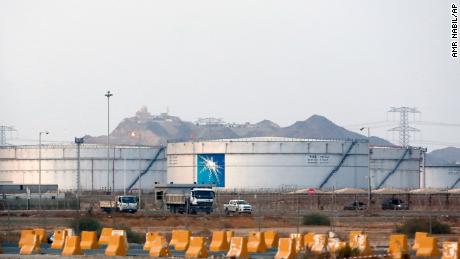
59 239
308 240
104 238
361 242
428 246
256 242
41 235
180 239
72 246
353 238
25 233
238 248
89 240
418 237
335 244
319 244
397 246
160 247
149 238
299 244
219 242
450 250
286 249
271 239
197 248
117 246
30 245
230 234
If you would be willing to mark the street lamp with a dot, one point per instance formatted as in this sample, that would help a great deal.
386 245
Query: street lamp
369 188
40 168
108 95
138 135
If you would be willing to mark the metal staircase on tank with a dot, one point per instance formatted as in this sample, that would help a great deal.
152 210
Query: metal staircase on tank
455 183
394 169
146 170
337 167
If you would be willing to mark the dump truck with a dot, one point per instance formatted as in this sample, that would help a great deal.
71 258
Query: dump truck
122 203
186 198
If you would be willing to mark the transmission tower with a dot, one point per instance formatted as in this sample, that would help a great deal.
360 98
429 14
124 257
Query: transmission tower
404 129
3 130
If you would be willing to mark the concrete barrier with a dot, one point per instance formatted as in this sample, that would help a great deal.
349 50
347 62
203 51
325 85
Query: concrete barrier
397 246
319 244
104 238
149 238
286 249
299 242
60 236
450 250
41 235
308 240
197 248
428 247
180 239
219 242
89 240
117 246
72 246
256 242
30 245
160 247
238 248
24 233
418 236
271 239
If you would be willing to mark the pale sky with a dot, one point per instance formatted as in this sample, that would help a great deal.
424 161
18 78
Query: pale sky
237 60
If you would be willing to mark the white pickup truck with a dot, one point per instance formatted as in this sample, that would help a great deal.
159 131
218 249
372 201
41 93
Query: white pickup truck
123 203
237 206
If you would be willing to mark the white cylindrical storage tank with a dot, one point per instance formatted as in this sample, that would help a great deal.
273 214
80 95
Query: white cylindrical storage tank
395 167
20 165
269 163
442 176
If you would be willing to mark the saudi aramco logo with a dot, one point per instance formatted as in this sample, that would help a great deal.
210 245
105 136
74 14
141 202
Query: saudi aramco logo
211 169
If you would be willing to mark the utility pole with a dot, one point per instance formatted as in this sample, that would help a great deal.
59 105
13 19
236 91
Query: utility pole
78 141
369 187
404 129
108 95
40 168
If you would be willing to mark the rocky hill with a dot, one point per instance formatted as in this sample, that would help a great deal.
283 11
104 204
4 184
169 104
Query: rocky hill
147 129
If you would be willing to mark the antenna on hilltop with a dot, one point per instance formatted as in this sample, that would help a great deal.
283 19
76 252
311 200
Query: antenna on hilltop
404 129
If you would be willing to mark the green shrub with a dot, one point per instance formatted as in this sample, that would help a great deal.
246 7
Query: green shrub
316 219
133 237
347 252
423 225
86 224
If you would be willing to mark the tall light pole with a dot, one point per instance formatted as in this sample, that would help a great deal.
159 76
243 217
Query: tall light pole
369 187
78 141
108 95
40 168
138 135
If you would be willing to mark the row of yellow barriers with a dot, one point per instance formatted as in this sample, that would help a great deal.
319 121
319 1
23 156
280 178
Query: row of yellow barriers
235 247
116 241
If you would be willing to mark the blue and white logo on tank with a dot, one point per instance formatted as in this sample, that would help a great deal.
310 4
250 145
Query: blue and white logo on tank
211 169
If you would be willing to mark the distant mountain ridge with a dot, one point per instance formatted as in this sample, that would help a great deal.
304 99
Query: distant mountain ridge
444 156
147 129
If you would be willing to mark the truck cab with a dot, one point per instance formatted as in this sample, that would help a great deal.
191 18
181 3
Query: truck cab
127 203
185 198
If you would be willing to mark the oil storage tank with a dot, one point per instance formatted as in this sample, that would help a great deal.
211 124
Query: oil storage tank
395 167
269 162
20 165
441 176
